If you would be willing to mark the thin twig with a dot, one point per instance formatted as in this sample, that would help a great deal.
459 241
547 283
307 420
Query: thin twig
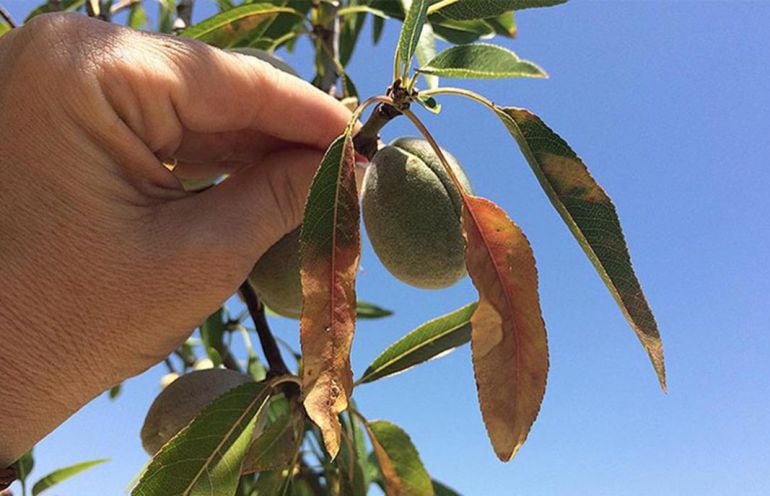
184 11
229 361
169 365
188 360
329 41
122 5
365 141
7 17
266 339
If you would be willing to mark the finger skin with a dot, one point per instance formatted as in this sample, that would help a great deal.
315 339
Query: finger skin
107 263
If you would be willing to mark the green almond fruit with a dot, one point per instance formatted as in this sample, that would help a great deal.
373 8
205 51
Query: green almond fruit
412 211
179 403
275 277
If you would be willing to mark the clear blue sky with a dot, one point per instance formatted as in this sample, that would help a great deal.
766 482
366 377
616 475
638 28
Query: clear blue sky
669 105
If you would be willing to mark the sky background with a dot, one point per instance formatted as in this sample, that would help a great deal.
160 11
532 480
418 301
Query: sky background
668 103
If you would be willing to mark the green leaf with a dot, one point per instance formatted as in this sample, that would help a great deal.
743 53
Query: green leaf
4 28
223 30
25 465
480 61
425 342
400 464
274 483
426 51
504 25
349 33
166 16
137 16
591 216
114 391
212 334
46 7
442 490
366 310
429 103
205 457
482 9
460 32
276 446
410 35
378 24
353 457
58 476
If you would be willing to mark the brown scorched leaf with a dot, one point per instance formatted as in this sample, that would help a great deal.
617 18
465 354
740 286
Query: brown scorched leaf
591 216
508 338
330 248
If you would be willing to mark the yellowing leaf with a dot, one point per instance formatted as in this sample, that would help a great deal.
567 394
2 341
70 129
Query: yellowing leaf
330 248
508 338
591 216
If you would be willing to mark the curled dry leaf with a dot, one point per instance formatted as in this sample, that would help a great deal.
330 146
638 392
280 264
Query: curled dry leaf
508 338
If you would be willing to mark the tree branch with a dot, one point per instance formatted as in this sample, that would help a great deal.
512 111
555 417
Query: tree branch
366 140
328 33
266 340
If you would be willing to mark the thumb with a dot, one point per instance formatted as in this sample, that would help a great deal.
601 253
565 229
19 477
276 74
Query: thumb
217 236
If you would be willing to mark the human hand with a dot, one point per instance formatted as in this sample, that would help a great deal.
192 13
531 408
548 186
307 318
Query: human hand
107 263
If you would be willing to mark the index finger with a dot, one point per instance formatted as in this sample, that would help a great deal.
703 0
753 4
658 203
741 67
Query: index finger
213 91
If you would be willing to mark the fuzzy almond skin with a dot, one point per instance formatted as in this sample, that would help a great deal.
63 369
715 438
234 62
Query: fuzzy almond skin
182 400
412 211
276 278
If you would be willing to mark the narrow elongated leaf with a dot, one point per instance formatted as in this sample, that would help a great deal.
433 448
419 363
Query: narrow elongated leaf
426 51
508 339
348 40
330 248
410 33
460 32
366 310
212 334
47 6
481 61
166 15
378 25
425 342
137 16
400 464
591 216
25 465
351 459
443 490
482 9
205 457
276 446
222 30
62 474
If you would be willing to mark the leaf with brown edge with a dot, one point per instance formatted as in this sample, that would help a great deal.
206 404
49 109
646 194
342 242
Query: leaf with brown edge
591 216
508 338
330 248
402 470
